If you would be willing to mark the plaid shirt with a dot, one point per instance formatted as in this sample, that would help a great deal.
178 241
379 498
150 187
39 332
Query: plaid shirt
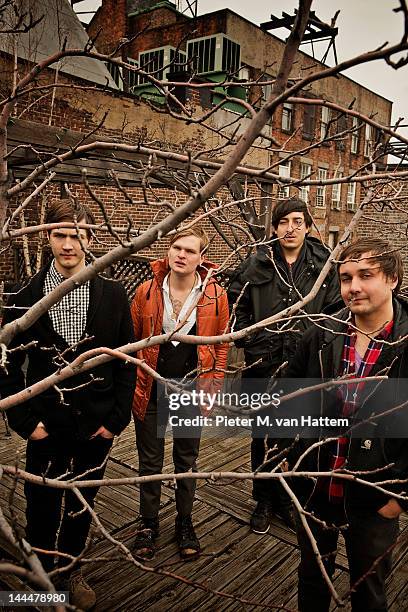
349 395
68 316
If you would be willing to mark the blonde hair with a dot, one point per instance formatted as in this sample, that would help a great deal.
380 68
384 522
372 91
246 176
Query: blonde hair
194 231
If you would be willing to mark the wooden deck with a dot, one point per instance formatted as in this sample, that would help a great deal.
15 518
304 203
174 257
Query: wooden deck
259 569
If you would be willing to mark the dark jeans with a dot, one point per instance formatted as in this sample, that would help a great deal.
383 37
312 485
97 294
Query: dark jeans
271 491
54 456
267 491
150 449
367 538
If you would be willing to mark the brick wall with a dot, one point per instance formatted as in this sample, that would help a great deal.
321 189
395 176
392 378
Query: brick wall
109 23
118 210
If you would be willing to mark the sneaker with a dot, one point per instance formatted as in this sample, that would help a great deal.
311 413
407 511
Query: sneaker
261 518
81 594
187 541
144 544
285 514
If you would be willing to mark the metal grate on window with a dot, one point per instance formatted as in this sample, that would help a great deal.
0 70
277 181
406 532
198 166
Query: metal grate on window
202 54
304 190
153 63
214 54
231 56
116 73
132 77
321 189
177 60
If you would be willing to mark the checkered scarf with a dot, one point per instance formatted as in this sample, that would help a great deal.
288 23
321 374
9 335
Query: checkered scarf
349 395
68 316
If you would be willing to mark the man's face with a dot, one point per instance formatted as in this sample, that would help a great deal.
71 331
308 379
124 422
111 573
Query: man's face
184 255
364 287
67 250
292 231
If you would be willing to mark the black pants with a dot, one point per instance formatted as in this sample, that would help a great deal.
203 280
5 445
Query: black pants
271 492
150 447
54 456
367 538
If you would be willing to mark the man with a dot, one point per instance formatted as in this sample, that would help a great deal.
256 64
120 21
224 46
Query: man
266 283
361 341
68 431
175 299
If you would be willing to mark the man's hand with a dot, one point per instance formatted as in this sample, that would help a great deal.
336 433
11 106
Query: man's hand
39 433
103 433
391 510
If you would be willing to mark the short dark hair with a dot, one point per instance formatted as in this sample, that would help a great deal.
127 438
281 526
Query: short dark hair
388 259
65 210
194 231
285 207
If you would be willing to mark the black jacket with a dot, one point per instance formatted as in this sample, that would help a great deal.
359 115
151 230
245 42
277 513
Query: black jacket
268 292
106 401
319 356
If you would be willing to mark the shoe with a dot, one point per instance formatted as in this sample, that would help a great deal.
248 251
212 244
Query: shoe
81 594
285 514
187 541
261 518
144 544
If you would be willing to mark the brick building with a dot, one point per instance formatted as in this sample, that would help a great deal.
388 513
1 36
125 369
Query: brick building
222 42
217 46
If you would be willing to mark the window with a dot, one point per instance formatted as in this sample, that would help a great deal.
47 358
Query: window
354 136
368 140
351 196
287 117
341 127
321 189
214 54
305 171
267 89
309 121
324 123
284 171
336 193
333 238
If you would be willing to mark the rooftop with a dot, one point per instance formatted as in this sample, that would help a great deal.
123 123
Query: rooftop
236 562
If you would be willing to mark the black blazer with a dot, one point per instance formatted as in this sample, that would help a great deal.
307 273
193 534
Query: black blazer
106 393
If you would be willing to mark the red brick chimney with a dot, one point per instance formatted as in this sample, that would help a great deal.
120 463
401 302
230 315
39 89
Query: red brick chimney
111 19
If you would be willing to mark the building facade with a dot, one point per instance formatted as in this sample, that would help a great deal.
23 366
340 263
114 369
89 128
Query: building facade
299 141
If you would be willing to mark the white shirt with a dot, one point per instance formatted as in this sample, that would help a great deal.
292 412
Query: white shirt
169 323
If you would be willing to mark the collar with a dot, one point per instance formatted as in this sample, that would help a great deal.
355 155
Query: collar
382 335
56 277
197 284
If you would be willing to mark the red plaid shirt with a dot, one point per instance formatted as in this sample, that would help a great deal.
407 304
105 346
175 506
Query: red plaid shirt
349 395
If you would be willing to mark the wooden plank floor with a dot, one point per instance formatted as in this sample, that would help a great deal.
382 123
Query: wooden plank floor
258 569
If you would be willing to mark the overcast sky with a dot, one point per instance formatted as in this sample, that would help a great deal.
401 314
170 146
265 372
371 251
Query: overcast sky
363 25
